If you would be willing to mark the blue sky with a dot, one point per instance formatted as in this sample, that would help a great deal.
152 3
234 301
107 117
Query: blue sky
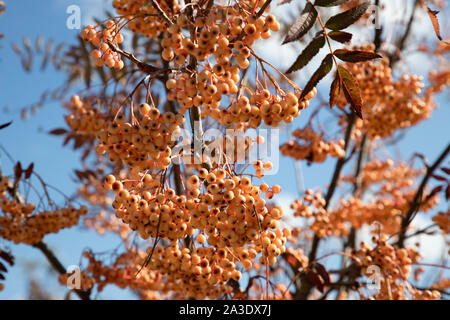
28 141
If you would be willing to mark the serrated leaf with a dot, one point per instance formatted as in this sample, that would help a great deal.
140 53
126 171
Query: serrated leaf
351 90
303 23
434 20
329 3
308 53
3 126
340 36
356 55
324 68
347 18
335 90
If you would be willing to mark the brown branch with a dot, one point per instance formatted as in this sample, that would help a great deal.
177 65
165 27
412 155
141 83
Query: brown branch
417 200
305 285
160 11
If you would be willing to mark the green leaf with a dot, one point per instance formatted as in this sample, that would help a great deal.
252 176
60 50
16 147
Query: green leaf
303 23
308 53
335 90
324 68
329 3
356 55
340 36
351 90
347 18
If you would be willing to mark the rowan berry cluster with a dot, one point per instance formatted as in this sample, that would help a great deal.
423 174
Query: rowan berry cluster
21 224
442 219
311 146
395 265
389 105
104 55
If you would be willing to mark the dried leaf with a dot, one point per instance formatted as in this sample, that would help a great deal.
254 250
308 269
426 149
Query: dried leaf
324 68
29 171
303 23
447 192
58 132
435 190
18 170
340 36
347 18
308 53
446 170
356 55
323 273
2 277
329 3
315 280
335 90
434 20
3 126
3 268
351 90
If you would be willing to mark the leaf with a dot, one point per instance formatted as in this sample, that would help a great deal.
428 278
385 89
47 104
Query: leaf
323 273
3 126
2 277
340 36
303 23
437 177
308 53
3 268
315 280
447 192
434 20
58 132
355 55
329 3
351 90
435 190
335 90
7 257
347 18
293 261
18 170
446 170
29 171
324 68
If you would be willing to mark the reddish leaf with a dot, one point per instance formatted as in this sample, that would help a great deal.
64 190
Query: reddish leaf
3 126
434 20
324 68
58 132
2 277
335 90
355 55
440 178
3 268
29 171
446 170
293 261
447 192
323 273
340 36
435 190
351 90
315 280
303 23
18 170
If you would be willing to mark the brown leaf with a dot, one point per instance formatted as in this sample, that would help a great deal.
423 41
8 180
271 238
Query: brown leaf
308 53
7 257
335 90
58 132
340 36
356 55
18 170
323 273
446 170
351 90
347 18
315 280
303 23
3 268
434 20
29 171
3 126
293 261
437 177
